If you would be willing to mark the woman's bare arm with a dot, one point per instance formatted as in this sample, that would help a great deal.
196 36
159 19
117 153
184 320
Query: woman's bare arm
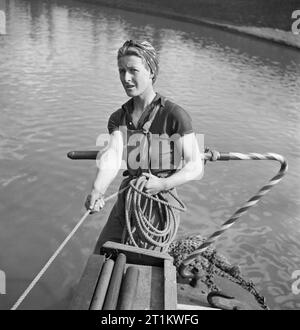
109 165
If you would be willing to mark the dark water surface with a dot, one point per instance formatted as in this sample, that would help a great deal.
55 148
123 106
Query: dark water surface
58 85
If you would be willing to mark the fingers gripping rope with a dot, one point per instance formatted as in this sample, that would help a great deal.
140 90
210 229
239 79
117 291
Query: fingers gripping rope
241 211
56 253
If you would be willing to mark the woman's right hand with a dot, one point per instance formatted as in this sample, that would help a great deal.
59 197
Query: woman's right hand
95 201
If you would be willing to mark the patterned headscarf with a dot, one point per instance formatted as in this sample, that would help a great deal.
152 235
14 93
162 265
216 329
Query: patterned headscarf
145 51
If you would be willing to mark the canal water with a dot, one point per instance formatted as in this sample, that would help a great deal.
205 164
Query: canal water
58 85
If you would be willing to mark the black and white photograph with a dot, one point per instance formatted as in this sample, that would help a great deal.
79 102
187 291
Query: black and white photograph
149 157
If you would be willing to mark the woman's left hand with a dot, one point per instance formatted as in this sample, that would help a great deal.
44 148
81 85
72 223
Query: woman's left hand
154 184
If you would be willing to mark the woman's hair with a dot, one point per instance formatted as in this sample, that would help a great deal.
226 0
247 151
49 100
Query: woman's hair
145 51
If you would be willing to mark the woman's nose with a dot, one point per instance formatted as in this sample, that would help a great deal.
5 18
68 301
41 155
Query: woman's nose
127 77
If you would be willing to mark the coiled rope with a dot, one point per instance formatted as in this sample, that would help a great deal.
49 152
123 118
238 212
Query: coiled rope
143 231
214 156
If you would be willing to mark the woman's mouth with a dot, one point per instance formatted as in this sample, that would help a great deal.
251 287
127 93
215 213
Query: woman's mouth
129 86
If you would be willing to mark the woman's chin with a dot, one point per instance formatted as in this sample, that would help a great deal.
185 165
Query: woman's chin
131 92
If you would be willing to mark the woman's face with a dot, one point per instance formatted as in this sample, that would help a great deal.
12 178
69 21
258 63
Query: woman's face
135 78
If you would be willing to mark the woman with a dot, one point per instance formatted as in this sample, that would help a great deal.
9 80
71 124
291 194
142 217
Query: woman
155 116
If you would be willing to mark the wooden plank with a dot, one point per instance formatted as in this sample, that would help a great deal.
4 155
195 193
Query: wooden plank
170 286
143 290
136 255
157 288
85 290
150 288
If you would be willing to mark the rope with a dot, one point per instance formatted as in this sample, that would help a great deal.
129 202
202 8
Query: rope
154 236
56 253
138 212
241 211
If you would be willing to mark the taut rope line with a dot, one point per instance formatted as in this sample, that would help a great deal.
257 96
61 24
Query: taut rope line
250 203
56 253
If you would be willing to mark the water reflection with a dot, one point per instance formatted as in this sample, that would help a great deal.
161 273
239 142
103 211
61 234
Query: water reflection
58 85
